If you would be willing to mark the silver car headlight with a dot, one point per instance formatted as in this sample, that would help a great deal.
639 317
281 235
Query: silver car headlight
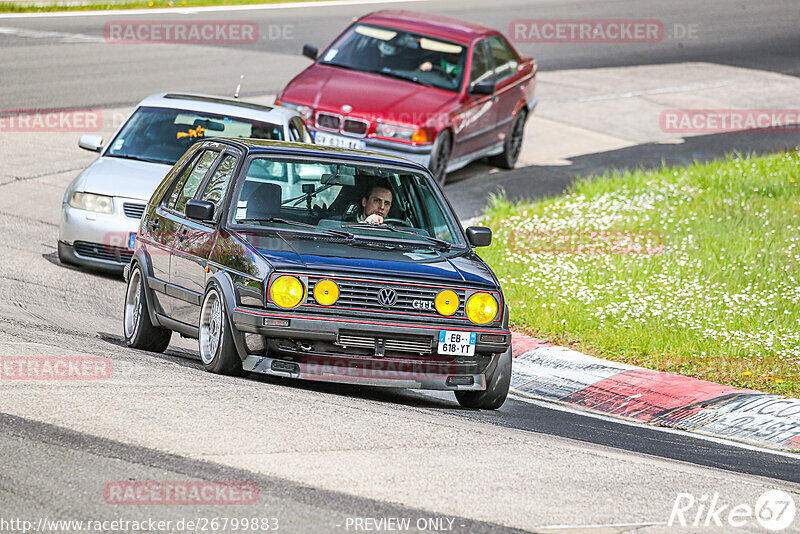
92 202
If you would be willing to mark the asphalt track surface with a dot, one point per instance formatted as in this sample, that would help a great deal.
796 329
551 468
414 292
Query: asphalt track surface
44 64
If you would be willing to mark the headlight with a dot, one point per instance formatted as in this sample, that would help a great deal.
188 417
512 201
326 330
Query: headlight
287 291
326 292
446 302
393 131
481 308
91 202
304 111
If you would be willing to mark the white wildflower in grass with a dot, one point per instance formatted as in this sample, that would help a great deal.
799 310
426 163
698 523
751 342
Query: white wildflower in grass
693 270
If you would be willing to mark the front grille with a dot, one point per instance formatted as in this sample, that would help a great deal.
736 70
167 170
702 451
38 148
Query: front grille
419 345
103 252
357 127
134 211
328 121
363 296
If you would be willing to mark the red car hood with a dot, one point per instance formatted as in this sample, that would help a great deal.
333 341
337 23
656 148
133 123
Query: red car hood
371 96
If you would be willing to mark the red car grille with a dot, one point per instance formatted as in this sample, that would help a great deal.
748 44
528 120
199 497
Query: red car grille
346 125
357 127
328 121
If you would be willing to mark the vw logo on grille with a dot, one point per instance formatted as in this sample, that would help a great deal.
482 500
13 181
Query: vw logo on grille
387 297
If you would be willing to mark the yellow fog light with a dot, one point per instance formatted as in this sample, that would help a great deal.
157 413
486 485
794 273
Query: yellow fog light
287 291
481 308
446 302
326 292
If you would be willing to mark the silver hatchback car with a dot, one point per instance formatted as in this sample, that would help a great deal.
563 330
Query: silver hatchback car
102 207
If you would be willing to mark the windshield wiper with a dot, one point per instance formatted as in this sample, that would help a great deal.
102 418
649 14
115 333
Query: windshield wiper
393 74
332 231
445 245
139 158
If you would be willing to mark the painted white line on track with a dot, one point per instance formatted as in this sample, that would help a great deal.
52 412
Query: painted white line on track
610 525
732 443
61 36
196 10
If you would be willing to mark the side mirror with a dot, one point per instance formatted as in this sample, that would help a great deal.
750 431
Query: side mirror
310 52
482 88
91 142
201 210
479 236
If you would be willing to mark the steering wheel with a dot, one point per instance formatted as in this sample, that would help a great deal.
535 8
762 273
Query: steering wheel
397 222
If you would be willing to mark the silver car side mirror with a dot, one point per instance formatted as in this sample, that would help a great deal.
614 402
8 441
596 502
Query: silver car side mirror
91 142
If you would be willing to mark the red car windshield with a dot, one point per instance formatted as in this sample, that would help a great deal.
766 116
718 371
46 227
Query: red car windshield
399 54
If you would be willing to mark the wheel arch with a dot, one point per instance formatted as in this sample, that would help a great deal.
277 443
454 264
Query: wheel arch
141 260
223 282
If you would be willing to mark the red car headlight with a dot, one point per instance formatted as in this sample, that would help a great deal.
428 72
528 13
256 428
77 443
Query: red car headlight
394 131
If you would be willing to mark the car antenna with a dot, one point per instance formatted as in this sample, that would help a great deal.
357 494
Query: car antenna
238 86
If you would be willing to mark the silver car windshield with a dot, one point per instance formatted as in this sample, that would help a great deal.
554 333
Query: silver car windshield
162 135
399 54
364 201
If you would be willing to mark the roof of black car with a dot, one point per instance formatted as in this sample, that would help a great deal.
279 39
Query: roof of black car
285 147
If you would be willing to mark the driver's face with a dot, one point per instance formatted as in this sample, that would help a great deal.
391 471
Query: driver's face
379 201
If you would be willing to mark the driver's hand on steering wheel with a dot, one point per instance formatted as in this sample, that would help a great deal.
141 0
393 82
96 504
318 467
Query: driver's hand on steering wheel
374 219
425 67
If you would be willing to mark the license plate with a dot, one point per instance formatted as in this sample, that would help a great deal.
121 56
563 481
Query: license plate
457 343
338 141
132 240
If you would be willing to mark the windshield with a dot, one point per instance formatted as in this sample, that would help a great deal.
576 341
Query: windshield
338 199
396 53
163 135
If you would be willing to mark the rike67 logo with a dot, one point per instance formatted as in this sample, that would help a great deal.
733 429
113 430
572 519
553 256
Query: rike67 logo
775 511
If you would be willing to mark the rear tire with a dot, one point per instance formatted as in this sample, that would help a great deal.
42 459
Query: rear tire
139 331
215 338
513 143
441 156
497 385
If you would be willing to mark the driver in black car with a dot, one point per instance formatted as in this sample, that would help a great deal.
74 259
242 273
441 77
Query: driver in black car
376 204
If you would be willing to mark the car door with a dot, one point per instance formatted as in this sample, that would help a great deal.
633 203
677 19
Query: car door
507 79
474 122
172 214
159 235
196 241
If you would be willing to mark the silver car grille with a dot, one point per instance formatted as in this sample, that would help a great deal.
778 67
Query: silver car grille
133 211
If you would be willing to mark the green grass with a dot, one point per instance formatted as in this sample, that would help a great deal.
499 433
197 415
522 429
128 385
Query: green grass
719 301
13 7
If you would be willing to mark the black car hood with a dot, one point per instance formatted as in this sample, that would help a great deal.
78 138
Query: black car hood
321 255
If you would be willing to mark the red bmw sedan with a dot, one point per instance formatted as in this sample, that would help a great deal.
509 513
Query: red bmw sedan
435 90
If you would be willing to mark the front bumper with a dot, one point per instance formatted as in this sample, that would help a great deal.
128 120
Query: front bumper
417 153
298 352
98 240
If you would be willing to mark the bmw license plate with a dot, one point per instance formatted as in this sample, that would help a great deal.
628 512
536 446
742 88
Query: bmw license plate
457 343
338 141
132 240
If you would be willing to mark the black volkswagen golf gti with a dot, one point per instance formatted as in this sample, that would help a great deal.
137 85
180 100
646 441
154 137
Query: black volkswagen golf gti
318 263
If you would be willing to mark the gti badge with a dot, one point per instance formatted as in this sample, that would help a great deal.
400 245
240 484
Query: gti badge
347 108
387 297
422 305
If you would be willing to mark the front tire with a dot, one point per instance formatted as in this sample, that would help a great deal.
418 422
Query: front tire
139 331
497 385
513 143
441 156
217 349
